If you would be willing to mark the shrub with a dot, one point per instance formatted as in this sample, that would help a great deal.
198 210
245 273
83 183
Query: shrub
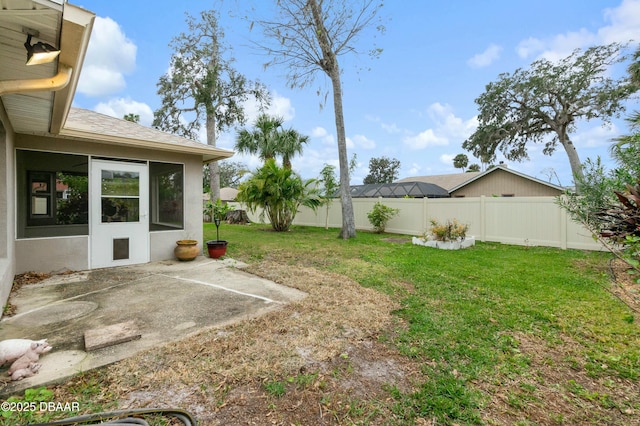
217 210
380 215
608 204
448 231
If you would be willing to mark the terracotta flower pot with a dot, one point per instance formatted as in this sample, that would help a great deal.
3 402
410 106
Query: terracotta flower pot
216 248
186 249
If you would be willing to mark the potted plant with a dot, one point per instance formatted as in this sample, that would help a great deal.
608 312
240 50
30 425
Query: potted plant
218 248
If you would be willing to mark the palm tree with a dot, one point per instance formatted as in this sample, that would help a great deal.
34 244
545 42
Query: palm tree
289 144
460 161
269 140
278 191
262 141
627 148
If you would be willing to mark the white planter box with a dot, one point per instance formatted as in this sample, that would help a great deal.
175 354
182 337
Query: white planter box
445 245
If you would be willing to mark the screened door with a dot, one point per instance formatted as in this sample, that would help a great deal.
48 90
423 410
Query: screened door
119 213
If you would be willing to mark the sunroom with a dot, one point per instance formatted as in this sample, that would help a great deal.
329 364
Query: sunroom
81 190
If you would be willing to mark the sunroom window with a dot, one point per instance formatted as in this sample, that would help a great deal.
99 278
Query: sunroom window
167 196
55 199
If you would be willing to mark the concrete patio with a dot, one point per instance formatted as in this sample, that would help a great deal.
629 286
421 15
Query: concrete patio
163 302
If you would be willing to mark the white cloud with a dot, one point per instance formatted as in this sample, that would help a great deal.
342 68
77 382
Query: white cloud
120 107
325 137
110 55
387 127
556 47
425 139
319 132
595 137
350 143
624 25
449 124
279 107
253 162
363 142
447 159
529 47
96 81
562 45
414 170
225 140
390 128
447 127
311 163
486 58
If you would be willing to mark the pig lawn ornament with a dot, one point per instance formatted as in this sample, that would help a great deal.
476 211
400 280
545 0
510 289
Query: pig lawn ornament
12 349
26 364
26 372
30 357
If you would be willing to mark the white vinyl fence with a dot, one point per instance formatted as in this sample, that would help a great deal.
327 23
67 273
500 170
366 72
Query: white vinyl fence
534 221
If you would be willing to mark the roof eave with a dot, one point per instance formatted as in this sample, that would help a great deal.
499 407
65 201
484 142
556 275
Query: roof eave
77 24
207 153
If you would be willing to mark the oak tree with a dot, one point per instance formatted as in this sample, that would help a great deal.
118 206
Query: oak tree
231 173
543 104
202 87
382 170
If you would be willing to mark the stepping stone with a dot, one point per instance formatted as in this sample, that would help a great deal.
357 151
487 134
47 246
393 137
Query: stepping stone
111 335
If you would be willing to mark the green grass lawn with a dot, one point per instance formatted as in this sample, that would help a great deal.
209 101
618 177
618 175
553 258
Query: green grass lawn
472 314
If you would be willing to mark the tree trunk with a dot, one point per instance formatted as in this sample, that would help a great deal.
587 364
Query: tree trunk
574 159
326 217
237 217
348 218
214 168
330 66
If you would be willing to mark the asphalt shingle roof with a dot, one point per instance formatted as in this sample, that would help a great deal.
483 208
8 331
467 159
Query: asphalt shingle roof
100 127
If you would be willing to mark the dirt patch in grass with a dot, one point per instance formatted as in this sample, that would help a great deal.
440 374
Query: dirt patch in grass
558 389
317 361
397 240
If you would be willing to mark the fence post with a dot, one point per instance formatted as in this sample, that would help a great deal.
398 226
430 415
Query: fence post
563 227
425 216
483 218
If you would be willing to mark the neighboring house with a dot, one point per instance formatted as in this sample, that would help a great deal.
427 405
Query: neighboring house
227 194
80 190
499 181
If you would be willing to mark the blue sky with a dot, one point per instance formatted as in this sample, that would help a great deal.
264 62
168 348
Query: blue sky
415 103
